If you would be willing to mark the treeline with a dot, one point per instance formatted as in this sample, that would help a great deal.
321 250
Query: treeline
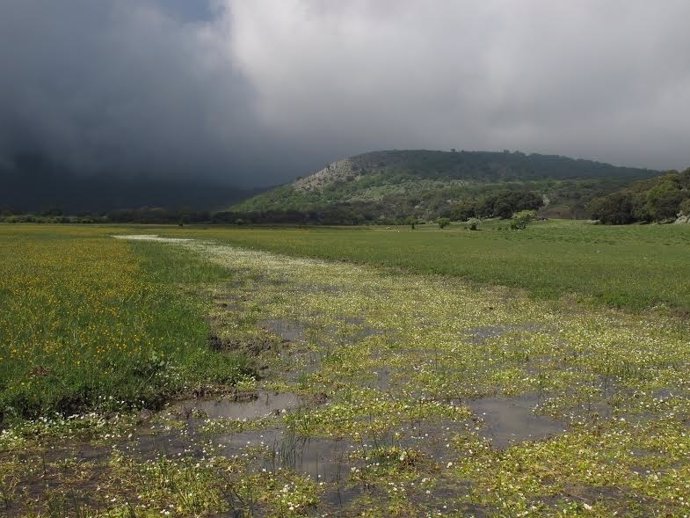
660 199
344 215
40 218
496 205
337 215
152 215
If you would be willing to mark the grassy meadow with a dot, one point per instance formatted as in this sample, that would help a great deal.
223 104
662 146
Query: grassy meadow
90 322
344 372
633 267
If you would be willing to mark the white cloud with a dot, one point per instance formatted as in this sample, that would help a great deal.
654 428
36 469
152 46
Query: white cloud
567 77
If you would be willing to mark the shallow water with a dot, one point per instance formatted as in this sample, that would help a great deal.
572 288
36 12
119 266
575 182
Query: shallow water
256 406
326 460
511 420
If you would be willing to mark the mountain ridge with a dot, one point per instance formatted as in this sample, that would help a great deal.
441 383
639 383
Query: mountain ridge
390 184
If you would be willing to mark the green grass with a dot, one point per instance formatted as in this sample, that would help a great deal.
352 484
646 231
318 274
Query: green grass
90 322
391 366
632 267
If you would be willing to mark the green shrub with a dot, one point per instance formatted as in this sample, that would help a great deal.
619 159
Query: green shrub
473 223
521 219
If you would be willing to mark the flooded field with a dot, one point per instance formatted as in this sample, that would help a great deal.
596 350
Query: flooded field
384 394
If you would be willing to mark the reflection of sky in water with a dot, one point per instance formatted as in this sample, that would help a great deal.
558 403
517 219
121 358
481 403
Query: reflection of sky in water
189 10
263 405
511 420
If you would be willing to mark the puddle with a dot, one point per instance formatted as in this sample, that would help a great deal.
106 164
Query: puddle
273 449
481 334
167 444
511 420
434 439
288 330
258 405
325 460
340 496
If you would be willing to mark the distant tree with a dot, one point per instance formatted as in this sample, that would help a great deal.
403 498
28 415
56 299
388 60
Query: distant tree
443 222
615 209
662 202
504 206
473 223
506 203
463 210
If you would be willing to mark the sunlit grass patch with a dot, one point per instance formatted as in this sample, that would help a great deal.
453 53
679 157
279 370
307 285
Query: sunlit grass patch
90 322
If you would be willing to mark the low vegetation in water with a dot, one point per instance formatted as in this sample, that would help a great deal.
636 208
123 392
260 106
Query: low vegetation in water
385 393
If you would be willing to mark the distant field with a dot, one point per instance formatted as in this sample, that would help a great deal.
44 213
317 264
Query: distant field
633 267
91 322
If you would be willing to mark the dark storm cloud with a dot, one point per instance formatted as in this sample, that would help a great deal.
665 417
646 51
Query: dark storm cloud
124 86
260 91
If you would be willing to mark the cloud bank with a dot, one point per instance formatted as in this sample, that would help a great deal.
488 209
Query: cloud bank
259 92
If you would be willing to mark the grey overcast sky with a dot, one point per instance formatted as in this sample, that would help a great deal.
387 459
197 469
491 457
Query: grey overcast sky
259 91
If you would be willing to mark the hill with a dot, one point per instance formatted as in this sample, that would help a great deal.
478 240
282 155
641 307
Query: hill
389 186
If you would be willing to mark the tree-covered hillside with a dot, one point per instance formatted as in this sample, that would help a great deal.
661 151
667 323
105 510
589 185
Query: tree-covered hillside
660 199
392 185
